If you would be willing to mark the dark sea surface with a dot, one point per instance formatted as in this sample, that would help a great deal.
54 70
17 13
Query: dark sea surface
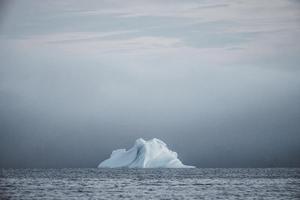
278 183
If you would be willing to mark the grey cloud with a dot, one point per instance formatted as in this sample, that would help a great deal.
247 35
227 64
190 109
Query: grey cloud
220 88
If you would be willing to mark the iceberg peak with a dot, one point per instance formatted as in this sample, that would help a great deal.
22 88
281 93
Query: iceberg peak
153 153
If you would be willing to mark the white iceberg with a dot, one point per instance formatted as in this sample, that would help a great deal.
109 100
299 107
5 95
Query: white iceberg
153 153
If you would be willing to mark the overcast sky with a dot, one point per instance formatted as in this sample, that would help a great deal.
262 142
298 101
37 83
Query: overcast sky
218 81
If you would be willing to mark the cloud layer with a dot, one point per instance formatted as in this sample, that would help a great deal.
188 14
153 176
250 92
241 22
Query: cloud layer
218 81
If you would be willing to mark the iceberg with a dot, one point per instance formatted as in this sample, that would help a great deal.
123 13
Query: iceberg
153 153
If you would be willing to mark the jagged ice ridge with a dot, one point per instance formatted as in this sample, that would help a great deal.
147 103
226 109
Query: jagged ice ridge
153 153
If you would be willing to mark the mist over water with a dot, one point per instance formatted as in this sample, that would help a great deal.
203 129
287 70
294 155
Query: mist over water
241 121
218 82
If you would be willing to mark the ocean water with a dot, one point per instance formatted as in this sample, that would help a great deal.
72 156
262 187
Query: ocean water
279 183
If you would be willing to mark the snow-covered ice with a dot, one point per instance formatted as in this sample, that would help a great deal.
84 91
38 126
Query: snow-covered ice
153 153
